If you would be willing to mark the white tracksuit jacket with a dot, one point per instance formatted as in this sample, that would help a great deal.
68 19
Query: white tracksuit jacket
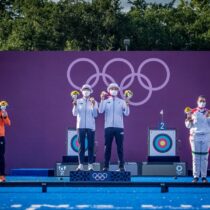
199 140
114 109
85 113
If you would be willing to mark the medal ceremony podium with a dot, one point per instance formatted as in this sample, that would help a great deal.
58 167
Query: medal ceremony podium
162 160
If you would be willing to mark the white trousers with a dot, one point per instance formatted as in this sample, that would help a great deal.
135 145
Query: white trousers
200 153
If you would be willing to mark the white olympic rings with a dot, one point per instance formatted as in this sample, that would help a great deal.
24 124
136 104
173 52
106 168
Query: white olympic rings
99 176
131 76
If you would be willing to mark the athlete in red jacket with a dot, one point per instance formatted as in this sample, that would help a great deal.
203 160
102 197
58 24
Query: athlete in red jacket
4 120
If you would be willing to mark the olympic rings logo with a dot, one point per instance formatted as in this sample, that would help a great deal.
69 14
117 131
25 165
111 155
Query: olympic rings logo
131 76
99 176
179 168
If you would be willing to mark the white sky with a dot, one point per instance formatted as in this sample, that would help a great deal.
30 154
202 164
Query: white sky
126 6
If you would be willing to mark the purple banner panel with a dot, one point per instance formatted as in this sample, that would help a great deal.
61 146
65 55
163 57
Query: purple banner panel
37 86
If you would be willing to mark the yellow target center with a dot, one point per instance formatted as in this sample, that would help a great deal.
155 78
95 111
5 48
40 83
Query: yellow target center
162 143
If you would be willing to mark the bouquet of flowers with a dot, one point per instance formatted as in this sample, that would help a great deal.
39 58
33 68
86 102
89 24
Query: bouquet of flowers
3 103
74 94
187 110
128 94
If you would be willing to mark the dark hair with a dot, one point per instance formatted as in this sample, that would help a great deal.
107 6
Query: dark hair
201 96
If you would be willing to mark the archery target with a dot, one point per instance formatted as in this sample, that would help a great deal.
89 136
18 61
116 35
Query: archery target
162 143
73 143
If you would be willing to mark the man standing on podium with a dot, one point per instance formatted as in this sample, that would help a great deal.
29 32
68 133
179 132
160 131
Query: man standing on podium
114 109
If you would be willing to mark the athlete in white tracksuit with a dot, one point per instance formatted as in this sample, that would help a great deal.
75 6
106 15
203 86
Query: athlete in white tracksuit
114 109
198 121
86 110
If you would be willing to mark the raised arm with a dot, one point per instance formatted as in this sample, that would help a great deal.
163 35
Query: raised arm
189 122
95 109
74 109
102 104
6 120
126 108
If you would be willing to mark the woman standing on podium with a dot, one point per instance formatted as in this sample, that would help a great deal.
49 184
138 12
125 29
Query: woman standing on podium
86 110
198 122
4 120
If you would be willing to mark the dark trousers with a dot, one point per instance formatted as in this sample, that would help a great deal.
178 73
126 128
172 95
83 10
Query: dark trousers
110 134
2 152
84 133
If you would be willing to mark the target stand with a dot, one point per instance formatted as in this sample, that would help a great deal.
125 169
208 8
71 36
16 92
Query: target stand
162 159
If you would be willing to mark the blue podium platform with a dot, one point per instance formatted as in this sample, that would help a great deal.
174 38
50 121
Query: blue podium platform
100 176
32 172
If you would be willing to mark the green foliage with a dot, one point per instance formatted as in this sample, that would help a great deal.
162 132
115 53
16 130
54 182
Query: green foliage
103 25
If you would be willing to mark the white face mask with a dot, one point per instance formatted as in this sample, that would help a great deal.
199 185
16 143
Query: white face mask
86 93
3 108
201 104
113 92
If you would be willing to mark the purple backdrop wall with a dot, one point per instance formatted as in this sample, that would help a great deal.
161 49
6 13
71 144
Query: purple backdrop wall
37 88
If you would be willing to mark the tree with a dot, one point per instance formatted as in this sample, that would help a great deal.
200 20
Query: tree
35 27
6 19
102 25
94 26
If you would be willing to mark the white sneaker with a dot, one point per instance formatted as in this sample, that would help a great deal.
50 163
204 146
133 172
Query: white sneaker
80 167
121 169
90 167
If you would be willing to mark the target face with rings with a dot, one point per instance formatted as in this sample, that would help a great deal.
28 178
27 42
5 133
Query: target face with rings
162 142
75 143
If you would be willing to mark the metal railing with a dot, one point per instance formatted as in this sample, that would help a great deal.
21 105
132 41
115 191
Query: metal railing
164 186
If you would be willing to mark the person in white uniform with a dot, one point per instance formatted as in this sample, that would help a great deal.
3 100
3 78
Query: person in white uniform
198 121
114 109
86 110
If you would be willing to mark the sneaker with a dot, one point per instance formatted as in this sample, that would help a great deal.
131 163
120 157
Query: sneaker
121 169
2 179
204 180
90 167
80 167
195 180
105 169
